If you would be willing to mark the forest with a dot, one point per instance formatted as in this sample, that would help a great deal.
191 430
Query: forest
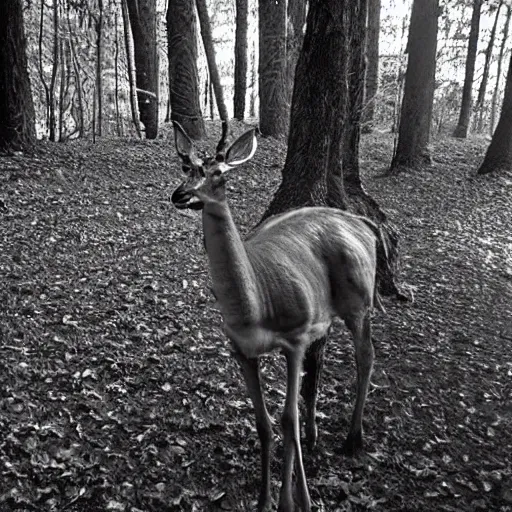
152 151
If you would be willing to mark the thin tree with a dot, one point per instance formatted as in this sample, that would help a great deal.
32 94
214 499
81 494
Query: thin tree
272 68
416 113
99 69
206 33
479 105
462 128
55 66
498 72
182 52
40 64
142 14
499 153
372 70
242 14
17 116
130 65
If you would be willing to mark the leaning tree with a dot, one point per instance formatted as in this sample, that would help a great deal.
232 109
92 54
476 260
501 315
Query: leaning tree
17 116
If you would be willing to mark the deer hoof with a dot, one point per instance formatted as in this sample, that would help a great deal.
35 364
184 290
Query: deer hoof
353 444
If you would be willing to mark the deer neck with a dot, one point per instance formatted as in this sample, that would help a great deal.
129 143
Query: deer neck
231 271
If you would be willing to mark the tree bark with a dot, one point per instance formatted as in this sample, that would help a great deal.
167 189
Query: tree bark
17 116
321 108
206 33
296 19
242 13
182 41
416 113
130 67
99 61
462 128
498 72
479 105
55 64
372 71
499 153
142 14
272 68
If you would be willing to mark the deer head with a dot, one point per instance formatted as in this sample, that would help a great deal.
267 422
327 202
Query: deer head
205 180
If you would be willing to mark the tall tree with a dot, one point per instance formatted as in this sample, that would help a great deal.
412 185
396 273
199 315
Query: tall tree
315 170
416 113
242 14
206 33
294 35
130 67
499 153
465 109
143 22
55 66
500 64
272 68
99 68
372 71
479 105
182 42
17 116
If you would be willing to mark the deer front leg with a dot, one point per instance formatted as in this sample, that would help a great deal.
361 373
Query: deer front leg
360 327
251 373
313 363
291 436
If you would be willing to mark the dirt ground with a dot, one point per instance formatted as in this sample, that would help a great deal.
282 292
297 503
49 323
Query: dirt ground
117 389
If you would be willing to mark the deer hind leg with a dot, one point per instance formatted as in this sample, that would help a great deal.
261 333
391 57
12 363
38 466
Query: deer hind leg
251 373
291 439
313 363
360 327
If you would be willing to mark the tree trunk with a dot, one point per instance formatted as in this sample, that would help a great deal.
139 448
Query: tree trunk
99 62
116 76
499 153
462 128
55 64
372 71
479 106
272 68
182 41
40 65
416 114
242 12
142 14
17 116
313 174
78 82
294 37
498 72
62 89
254 83
206 33
128 42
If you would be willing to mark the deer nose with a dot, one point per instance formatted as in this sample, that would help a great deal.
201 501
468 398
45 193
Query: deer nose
181 197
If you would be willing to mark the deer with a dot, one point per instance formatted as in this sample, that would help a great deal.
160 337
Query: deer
280 289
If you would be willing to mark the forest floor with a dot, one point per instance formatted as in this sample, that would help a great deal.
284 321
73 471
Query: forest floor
117 389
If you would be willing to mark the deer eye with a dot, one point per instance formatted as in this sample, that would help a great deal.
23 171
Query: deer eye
217 172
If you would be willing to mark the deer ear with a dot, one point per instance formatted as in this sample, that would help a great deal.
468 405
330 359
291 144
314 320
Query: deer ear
242 149
184 144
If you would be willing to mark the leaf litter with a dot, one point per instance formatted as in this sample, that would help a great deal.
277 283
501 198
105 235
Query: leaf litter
118 391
